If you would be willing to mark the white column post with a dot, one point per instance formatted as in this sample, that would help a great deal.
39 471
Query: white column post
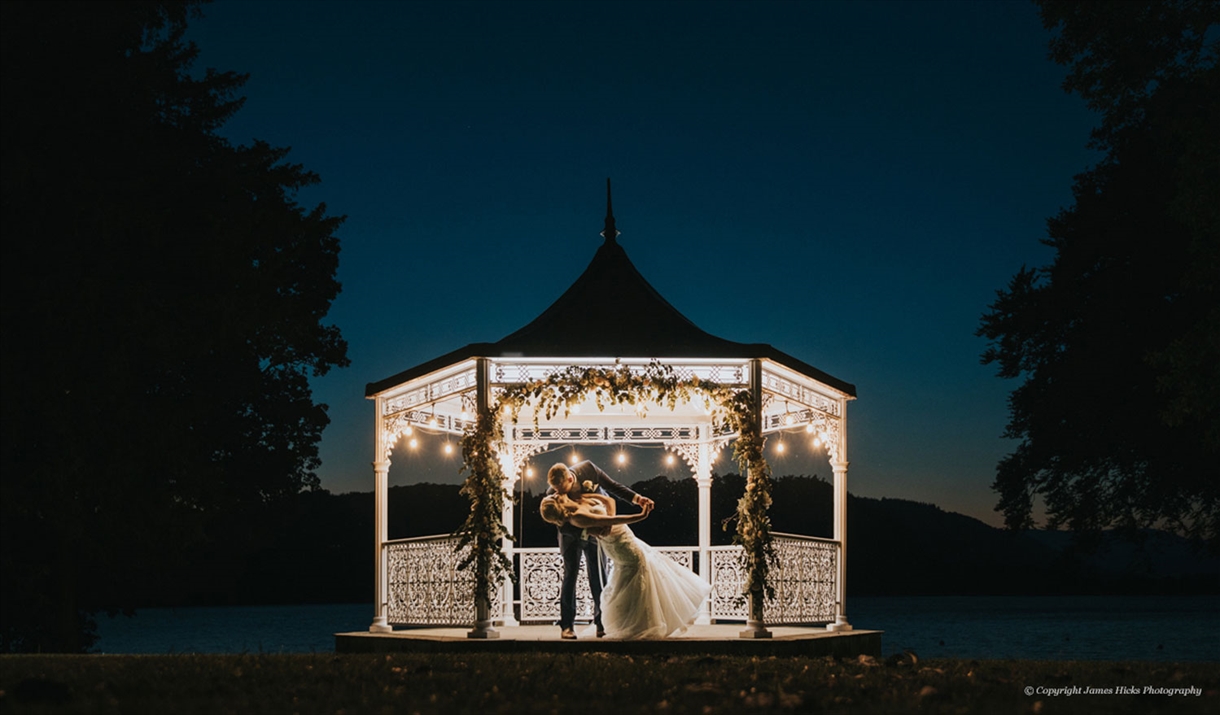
512 477
381 471
483 626
839 465
703 474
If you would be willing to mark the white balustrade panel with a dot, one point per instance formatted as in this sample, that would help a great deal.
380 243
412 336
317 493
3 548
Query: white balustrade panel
803 577
427 589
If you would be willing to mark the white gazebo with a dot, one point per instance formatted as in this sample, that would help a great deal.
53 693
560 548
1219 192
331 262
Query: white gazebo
610 318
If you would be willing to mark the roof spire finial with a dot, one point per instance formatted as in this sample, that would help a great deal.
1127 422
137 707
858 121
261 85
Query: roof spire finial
610 232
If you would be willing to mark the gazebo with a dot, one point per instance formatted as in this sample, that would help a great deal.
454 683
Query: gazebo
610 321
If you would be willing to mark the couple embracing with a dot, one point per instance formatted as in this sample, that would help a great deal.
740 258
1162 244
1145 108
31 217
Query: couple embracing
648 595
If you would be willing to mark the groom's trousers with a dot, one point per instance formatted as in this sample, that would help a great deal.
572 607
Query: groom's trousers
571 548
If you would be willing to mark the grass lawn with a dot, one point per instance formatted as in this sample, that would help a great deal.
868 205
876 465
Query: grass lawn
587 684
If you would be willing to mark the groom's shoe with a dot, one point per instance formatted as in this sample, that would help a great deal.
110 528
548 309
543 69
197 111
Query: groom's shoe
601 632
568 634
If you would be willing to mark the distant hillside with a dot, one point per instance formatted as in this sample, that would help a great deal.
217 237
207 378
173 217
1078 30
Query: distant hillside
320 548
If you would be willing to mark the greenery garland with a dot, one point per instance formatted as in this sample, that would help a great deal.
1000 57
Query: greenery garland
484 526
656 383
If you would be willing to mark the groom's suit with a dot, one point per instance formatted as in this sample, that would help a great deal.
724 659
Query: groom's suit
572 545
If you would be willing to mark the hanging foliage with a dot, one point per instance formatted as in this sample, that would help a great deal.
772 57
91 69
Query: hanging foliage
484 527
753 520
732 411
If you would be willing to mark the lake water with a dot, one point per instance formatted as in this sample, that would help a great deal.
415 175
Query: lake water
1150 628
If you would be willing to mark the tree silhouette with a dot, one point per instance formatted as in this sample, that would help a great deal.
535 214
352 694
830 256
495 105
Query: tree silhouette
1118 339
163 299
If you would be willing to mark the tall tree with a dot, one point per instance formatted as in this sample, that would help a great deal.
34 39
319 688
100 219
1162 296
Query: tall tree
163 307
1118 339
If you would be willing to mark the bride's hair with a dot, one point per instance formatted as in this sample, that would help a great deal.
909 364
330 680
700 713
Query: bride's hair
552 512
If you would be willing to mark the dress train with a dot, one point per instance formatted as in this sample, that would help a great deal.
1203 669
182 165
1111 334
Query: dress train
648 594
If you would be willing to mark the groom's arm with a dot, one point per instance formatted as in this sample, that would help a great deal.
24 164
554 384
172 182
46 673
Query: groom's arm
589 470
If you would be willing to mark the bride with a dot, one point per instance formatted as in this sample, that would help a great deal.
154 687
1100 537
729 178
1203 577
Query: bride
649 595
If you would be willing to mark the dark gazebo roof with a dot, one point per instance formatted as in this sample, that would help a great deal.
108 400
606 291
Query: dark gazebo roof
612 311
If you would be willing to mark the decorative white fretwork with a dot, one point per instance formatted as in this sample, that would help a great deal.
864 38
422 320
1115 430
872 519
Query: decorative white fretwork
425 586
688 451
431 392
794 392
404 423
725 373
823 426
427 420
682 555
804 583
804 580
521 452
605 435
542 578
728 574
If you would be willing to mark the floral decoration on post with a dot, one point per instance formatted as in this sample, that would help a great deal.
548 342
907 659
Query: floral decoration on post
753 521
484 526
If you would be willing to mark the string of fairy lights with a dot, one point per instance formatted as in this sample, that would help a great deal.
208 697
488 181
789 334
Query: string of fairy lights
817 441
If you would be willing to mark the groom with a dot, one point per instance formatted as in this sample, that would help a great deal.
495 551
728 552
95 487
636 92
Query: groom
583 478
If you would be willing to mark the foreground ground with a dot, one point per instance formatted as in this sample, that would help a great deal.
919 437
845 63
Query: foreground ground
591 684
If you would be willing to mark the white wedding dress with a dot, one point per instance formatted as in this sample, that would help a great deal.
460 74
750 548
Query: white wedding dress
649 595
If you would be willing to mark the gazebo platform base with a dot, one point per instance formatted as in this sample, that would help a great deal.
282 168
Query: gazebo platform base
719 639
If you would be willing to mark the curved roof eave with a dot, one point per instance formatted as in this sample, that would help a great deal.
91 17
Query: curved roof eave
612 311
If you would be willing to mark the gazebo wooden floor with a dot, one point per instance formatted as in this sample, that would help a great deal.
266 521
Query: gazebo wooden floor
719 639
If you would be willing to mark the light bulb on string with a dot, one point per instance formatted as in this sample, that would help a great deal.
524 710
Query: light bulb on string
621 458
448 448
413 443
669 459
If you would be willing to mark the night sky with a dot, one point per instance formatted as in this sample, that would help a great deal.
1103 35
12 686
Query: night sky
849 182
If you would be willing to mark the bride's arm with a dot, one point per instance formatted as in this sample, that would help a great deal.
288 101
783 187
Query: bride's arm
586 520
608 502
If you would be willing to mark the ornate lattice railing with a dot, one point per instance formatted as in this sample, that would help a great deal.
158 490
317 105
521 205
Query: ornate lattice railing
425 586
542 577
804 580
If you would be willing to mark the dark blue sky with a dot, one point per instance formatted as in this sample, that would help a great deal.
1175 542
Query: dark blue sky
849 182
